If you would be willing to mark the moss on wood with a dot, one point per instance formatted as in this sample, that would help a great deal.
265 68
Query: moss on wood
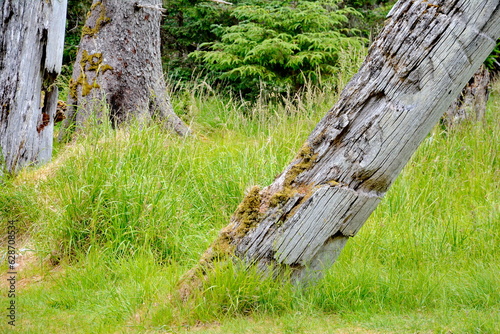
305 159
88 62
219 250
246 217
281 196
248 212
99 23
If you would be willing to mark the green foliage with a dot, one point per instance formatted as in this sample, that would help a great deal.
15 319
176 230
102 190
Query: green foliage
288 61
281 46
367 4
374 14
187 24
13 204
75 19
492 62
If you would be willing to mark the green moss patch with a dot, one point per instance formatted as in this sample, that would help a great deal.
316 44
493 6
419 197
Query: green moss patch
100 22
305 157
248 212
88 62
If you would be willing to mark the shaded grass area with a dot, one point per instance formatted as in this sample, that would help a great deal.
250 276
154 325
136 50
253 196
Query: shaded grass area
120 215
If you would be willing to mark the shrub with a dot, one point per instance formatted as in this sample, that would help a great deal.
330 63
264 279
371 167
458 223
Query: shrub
187 24
74 23
492 62
281 45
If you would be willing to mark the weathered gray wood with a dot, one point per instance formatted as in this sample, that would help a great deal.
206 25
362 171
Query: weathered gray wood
419 63
119 63
31 47
471 102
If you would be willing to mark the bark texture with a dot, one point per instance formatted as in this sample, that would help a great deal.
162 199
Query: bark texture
119 63
471 102
31 47
416 67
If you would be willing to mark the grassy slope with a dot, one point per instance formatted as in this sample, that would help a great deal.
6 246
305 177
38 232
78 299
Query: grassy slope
123 214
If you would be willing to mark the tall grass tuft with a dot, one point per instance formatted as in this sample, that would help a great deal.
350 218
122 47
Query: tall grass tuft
139 188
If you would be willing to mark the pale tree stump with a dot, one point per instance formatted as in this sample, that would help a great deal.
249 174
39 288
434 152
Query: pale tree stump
31 48
118 65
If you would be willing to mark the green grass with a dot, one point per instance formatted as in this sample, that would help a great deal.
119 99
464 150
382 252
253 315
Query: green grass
120 215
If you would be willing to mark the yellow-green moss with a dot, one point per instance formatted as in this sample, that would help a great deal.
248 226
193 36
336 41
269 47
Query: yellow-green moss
104 67
42 99
305 157
99 23
219 250
88 62
281 196
94 5
248 212
246 217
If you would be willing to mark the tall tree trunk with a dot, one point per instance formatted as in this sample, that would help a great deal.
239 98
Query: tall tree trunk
31 47
119 63
419 63
471 102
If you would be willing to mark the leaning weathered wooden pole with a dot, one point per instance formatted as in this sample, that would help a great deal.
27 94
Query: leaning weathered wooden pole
31 48
419 63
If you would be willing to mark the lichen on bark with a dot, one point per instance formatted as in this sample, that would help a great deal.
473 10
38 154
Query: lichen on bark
101 20
88 63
